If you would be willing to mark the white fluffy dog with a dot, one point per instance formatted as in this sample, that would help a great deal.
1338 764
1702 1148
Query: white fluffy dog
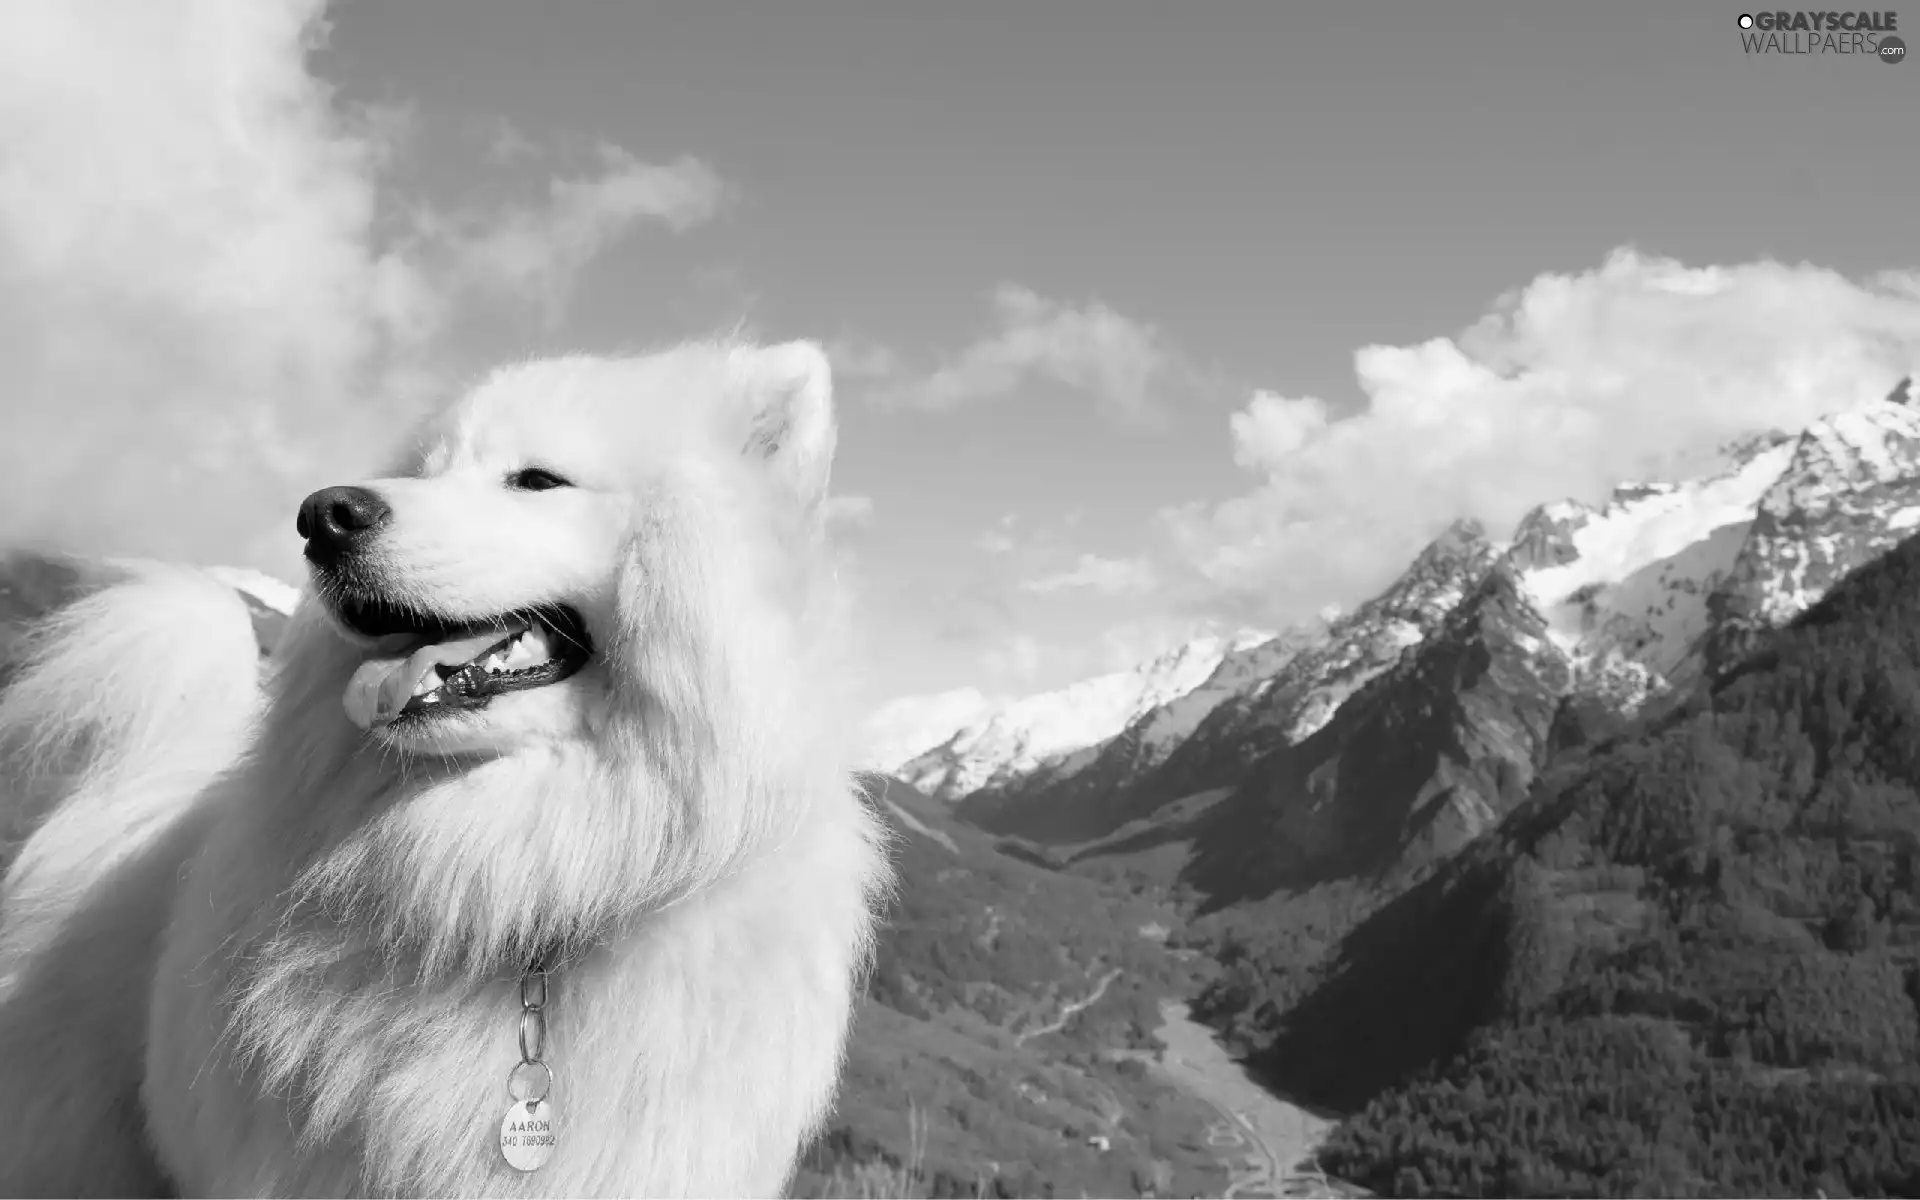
562 696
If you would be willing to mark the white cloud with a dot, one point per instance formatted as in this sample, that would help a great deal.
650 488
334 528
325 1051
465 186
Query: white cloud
1128 644
1640 368
186 276
1015 664
1124 365
506 146
858 358
850 510
1098 574
1273 427
1000 539
536 252
201 321
1032 544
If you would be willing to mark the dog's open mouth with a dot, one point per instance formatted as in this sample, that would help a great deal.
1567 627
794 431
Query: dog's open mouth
428 665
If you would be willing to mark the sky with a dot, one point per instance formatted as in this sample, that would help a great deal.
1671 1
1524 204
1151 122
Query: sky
1147 320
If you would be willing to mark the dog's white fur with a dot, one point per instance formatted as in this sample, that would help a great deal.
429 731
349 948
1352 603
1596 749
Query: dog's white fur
248 949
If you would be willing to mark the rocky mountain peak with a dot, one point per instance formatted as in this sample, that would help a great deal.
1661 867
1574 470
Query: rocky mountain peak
1632 493
1749 446
1436 579
1850 491
1837 458
1544 537
1462 538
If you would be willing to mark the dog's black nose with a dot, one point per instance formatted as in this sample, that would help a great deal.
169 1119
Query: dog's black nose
336 519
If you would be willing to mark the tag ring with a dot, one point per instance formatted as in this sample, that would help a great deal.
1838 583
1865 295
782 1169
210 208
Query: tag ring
533 1036
546 1085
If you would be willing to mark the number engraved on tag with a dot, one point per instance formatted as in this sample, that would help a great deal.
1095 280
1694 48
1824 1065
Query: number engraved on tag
526 1135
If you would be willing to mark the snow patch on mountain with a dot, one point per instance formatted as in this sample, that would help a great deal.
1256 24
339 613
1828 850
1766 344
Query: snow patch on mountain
1038 732
1903 520
1849 495
1835 498
1348 662
1160 730
1845 453
911 725
1625 589
1648 525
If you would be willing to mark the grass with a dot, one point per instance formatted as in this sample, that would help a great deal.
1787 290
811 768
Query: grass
874 1179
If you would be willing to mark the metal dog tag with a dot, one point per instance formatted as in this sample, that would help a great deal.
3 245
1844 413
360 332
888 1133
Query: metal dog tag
526 1134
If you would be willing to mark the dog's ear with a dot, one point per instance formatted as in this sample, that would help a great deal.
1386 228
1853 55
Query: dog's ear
788 394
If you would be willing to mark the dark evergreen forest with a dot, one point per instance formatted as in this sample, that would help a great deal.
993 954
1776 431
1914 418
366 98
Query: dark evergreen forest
1687 965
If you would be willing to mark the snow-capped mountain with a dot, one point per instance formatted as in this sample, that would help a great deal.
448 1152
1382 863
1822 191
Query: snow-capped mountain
1431 753
1153 735
1624 589
1850 491
1612 605
1308 674
901 729
1090 777
1038 732
1305 694
1588 614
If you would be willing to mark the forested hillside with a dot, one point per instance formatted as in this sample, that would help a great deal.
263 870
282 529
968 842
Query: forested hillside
1689 964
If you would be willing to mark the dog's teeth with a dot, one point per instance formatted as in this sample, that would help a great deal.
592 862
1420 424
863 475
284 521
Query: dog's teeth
495 662
529 648
539 642
428 682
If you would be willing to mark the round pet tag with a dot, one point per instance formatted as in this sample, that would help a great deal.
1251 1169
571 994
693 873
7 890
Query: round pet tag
526 1134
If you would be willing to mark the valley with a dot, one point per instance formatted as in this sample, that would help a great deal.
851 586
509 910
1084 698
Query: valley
1275 1139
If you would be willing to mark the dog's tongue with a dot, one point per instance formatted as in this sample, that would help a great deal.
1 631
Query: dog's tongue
382 686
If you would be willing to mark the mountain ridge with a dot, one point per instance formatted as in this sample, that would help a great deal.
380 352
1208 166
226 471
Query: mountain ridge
1042 732
1292 702
1641 597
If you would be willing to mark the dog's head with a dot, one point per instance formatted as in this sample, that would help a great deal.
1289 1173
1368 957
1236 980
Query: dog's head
587 627
580 546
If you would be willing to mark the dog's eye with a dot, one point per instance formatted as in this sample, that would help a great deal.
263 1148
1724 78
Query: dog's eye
536 479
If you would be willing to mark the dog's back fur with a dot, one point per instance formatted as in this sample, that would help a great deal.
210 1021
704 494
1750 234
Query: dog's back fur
244 951
113 725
